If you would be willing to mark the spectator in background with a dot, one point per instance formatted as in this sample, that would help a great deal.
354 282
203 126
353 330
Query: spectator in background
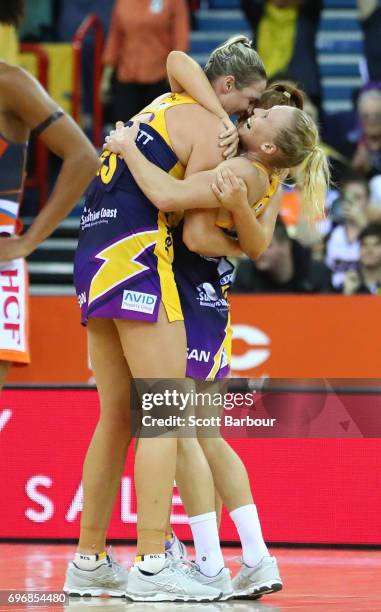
368 278
141 35
370 17
367 158
349 214
285 267
285 32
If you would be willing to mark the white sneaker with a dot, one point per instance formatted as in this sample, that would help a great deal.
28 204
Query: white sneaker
259 580
222 582
173 583
110 578
176 549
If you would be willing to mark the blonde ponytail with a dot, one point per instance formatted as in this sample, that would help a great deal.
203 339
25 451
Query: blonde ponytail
299 149
313 177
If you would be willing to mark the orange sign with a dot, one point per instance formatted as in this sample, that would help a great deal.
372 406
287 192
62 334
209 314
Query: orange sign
58 344
307 336
276 336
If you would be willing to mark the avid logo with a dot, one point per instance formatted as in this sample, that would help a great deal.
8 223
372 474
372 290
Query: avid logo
138 301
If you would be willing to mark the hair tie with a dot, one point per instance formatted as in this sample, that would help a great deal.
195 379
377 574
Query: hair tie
287 94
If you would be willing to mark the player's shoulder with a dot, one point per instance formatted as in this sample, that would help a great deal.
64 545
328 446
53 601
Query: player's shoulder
13 72
257 182
16 81
244 168
7 72
198 116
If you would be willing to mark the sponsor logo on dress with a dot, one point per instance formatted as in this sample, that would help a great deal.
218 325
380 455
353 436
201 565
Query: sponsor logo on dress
82 298
198 355
138 301
207 296
91 218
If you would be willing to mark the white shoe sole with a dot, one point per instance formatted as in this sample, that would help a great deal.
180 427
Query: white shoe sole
262 589
168 597
92 592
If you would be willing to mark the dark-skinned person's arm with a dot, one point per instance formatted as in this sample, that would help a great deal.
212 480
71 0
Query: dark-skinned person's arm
33 107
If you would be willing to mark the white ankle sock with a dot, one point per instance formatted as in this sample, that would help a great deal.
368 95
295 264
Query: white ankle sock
207 543
249 529
152 564
89 562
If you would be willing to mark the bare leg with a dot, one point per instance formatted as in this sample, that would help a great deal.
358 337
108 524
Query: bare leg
229 473
193 470
144 347
106 455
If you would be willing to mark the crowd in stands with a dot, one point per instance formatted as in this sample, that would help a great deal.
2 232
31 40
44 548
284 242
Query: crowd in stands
340 253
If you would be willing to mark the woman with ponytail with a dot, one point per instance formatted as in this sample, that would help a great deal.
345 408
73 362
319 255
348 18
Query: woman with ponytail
198 147
259 573
271 141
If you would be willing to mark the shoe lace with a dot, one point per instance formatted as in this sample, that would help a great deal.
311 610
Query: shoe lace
186 567
190 567
113 564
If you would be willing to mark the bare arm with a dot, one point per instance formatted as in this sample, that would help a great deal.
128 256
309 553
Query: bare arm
184 74
202 236
30 103
164 191
254 235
